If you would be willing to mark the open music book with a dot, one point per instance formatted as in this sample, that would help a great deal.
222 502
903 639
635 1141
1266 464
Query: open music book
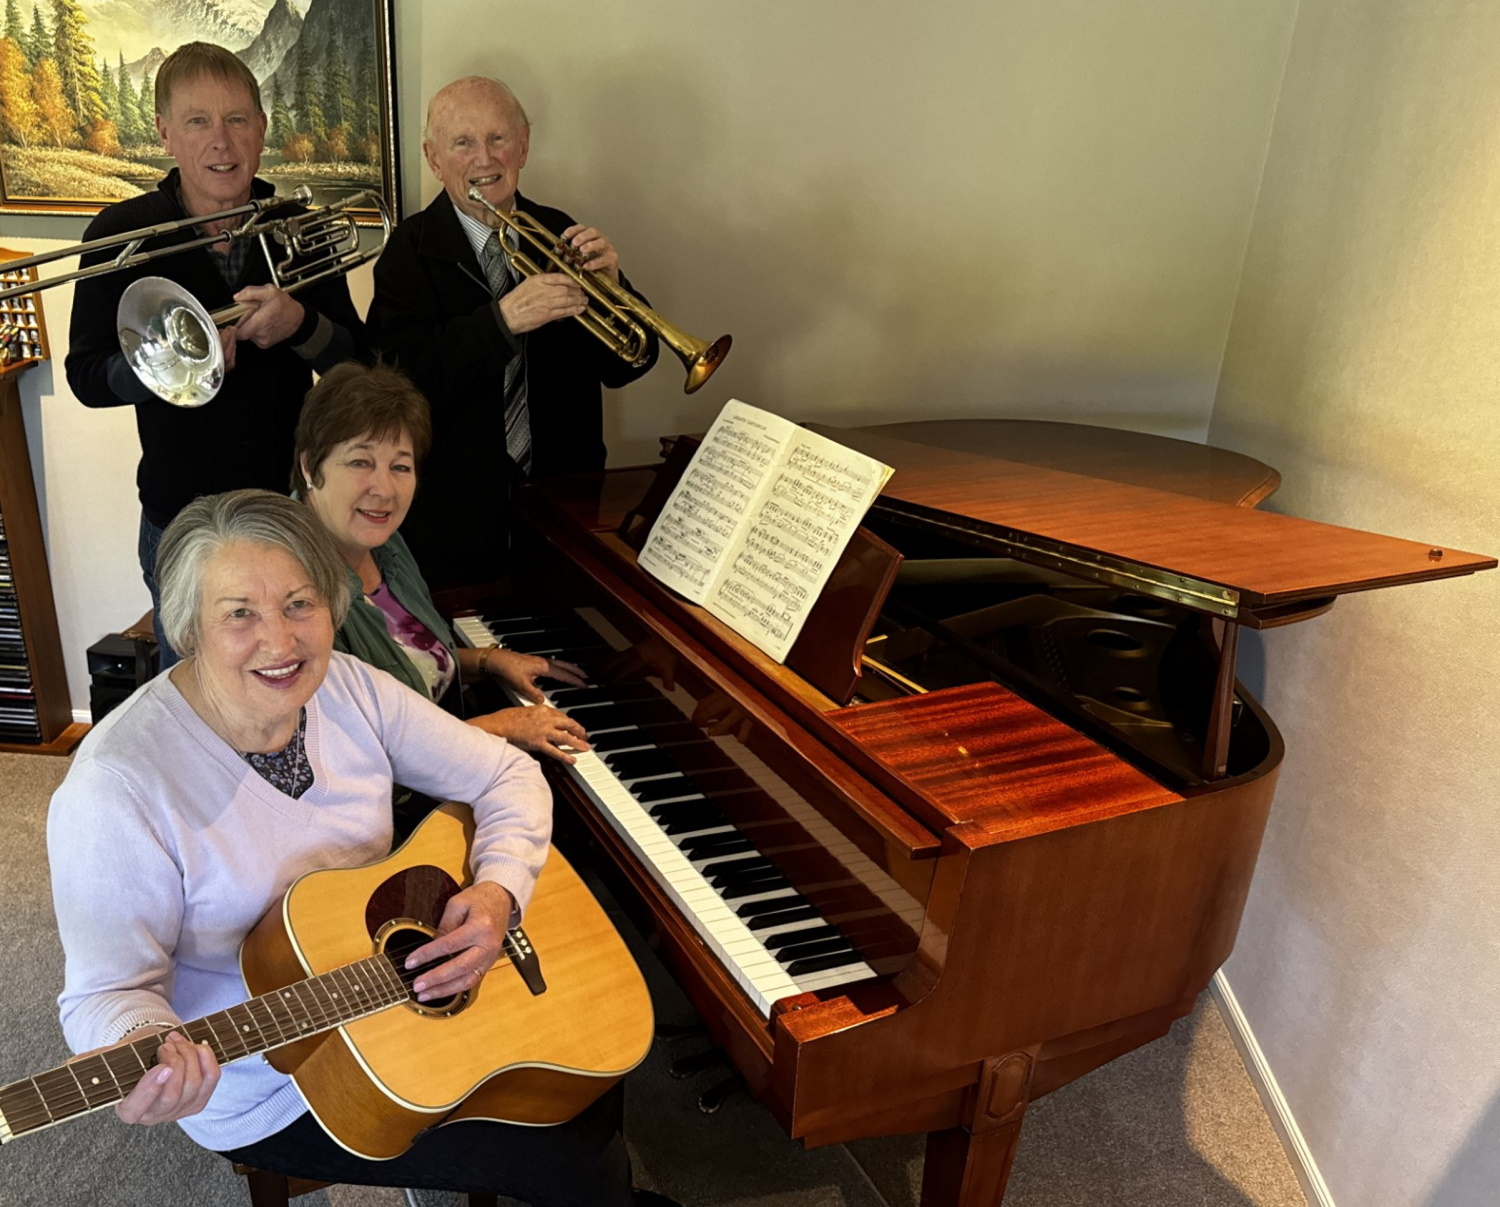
758 522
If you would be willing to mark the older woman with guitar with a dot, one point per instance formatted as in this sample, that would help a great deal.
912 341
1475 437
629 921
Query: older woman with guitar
253 769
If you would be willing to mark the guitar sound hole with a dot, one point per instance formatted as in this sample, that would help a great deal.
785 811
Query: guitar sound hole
398 940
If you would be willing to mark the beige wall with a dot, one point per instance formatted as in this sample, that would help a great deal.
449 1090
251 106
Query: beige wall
1363 361
991 207
976 207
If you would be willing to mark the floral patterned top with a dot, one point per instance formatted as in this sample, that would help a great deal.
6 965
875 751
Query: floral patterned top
433 660
287 770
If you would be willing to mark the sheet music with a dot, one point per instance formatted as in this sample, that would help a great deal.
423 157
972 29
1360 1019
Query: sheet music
759 521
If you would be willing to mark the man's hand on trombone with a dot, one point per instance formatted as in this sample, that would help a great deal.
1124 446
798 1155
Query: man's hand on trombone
274 317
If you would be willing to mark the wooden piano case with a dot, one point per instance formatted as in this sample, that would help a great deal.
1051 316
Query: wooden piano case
1058 898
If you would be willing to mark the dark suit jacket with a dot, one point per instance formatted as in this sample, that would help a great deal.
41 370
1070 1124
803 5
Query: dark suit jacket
433 315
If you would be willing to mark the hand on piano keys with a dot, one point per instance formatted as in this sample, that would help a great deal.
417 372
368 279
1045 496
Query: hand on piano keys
660 783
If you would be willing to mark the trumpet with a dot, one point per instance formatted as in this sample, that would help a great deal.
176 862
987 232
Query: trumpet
615 317
169 338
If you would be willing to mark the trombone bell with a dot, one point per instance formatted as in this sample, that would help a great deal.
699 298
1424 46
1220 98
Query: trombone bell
170 342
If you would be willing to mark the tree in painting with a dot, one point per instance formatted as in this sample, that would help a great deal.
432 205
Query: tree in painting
77 96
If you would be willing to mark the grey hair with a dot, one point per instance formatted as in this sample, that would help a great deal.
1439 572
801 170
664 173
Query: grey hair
485 82
206 525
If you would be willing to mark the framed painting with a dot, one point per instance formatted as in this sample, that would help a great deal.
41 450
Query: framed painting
77 97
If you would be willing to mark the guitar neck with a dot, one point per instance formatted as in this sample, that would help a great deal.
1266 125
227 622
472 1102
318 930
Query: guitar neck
270 1021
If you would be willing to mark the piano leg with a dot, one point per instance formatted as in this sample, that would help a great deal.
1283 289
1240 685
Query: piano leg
968 1166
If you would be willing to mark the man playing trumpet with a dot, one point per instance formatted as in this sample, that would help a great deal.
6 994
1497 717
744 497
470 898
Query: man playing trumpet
491 349
209 118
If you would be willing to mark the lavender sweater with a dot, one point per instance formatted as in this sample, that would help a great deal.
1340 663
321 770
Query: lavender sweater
166 848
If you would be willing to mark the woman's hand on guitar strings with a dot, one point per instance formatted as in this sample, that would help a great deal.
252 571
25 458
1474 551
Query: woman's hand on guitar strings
472 931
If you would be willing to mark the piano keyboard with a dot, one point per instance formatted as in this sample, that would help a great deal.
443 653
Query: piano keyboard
765 933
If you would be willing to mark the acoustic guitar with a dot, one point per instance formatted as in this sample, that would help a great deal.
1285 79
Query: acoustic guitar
557 1021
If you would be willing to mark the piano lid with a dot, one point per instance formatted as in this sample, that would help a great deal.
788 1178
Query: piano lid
1254 567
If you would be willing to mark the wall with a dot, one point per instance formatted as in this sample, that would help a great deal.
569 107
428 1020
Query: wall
1015 207
1363 361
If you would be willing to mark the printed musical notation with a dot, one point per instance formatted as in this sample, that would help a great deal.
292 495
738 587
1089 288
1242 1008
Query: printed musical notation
759 521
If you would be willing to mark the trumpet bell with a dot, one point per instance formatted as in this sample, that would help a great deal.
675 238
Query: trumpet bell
700 367
170 342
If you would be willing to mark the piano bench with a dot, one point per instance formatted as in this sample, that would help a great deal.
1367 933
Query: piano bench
269 1189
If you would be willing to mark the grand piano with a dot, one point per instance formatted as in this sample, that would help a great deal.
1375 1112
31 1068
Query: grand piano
994 822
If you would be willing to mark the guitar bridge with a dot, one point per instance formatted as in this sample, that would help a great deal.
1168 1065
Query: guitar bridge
524 958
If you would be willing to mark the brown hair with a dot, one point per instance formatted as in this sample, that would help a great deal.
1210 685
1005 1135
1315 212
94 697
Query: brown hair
353 400
194 59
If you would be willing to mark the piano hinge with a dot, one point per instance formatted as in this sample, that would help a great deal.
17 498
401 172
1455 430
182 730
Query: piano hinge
1193 593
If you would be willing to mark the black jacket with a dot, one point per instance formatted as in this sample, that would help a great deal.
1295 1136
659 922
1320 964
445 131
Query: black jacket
434 317
243 437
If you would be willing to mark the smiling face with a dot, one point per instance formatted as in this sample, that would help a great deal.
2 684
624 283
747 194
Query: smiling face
214 132
365 490
476 135
263 641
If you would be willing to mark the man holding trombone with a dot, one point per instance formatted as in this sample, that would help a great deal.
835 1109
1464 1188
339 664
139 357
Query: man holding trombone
480 322
210 120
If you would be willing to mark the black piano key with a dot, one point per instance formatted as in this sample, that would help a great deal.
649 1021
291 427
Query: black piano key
501 624
664 789
605 716
710 845
731 869
726 865
783 905
806 935
603 693
691 824
749 888
749 883
803 913
825 947
618 739
554 643
684 810
593 694
637 764
820 963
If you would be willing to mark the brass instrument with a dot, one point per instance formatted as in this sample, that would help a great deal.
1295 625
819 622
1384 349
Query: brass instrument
615 316
169 338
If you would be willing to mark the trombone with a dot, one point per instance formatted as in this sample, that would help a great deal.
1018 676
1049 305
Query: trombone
615 316
170 340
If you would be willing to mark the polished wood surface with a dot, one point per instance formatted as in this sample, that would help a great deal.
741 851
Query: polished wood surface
1139 458
1268 559
537 1059
976 753
1073 904
33 579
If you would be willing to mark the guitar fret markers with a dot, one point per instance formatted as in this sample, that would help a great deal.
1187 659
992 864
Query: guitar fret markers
258 1025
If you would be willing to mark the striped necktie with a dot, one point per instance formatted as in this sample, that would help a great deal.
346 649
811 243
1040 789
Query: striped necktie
517 418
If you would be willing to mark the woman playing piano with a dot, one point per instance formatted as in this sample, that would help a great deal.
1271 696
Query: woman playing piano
362 434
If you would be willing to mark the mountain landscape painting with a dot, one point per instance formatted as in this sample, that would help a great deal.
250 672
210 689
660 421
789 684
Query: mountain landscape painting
77 98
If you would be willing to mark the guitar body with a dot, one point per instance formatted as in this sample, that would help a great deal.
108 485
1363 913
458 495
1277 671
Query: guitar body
502 1051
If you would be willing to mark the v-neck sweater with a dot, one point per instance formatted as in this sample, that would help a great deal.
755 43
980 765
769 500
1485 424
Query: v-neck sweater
166 848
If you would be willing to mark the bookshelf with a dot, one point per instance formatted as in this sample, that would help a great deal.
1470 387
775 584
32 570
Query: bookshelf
36 714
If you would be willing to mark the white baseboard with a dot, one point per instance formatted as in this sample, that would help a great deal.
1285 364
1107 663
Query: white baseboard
82 716
1275 1103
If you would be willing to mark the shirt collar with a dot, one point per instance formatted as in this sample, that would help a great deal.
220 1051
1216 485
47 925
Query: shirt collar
478 233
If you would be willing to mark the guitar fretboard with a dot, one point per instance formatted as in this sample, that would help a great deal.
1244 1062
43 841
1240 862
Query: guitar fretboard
270 1021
